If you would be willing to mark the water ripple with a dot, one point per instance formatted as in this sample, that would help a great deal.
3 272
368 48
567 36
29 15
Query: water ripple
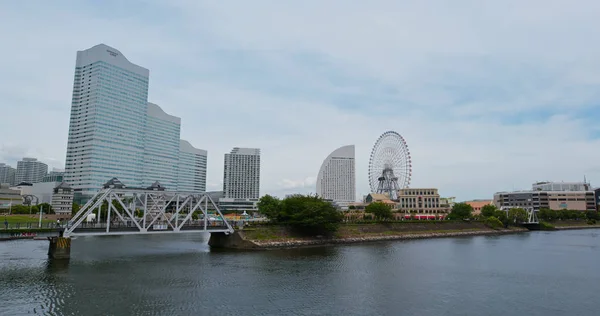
180 276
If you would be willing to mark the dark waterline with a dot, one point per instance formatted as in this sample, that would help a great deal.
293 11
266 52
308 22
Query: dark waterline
539 273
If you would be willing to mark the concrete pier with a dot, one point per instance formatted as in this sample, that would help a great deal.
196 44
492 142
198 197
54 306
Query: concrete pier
59 248
236 240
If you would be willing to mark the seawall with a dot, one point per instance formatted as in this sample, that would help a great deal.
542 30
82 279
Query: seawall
276 236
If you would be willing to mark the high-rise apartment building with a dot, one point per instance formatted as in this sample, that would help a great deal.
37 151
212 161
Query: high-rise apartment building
241 174
108 117
30 170
114 131
192 168
337 178
7 174
161 149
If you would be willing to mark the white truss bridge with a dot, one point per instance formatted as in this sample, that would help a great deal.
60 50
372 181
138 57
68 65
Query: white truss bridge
532 217
123 211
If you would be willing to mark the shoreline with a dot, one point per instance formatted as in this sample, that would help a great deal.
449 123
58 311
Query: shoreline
299 243
576 227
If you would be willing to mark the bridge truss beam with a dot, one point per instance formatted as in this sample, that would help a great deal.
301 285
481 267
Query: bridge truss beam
146 212
532 217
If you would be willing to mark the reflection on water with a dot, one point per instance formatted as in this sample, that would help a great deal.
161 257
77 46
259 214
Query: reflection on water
525 274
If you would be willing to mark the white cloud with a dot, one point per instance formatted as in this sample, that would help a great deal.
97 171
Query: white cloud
489 96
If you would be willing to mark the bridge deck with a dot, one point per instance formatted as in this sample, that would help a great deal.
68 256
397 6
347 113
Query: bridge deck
99 229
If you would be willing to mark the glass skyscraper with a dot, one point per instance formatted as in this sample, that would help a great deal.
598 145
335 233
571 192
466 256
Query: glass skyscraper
114 131
161 148
192 168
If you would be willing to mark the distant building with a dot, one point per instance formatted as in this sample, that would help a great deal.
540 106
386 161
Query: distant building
161 147
115 132
8 174
31 170
478 204
418 203
560 186
552 195
108 116
228 205
192 168
9 197
62 200
241 174
379 197
42 190
421 202
336 178
447 202
54 176
238 205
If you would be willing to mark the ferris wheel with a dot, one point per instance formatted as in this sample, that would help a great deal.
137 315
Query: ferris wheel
390 165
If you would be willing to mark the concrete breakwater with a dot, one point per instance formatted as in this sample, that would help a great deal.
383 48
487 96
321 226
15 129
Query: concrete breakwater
558 227
351 240
274 236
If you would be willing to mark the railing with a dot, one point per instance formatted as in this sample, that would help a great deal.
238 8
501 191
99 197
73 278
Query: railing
31 226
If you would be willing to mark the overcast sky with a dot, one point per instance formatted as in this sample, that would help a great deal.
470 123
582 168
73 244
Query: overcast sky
489 95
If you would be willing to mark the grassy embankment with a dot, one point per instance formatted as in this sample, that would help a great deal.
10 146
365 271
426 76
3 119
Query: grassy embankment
22 219
369 230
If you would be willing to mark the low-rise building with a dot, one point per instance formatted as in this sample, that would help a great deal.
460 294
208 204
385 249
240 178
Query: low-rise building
9 197
478 204
564 196
238 205
62 200
379 197
42 190
249 206
421 203
447 202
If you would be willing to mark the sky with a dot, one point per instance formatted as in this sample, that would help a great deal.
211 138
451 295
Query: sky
489 95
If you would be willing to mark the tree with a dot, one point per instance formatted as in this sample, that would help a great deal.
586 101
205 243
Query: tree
47 208
75 208
493 222
488 210
380 210
517 215
547 214
460 211
501 216
592 215
351 207
306 214
270 207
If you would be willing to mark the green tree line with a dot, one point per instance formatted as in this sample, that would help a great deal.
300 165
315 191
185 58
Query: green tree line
34 209
306 214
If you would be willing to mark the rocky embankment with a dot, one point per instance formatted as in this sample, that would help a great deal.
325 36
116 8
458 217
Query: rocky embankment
277 236
302 242
576 227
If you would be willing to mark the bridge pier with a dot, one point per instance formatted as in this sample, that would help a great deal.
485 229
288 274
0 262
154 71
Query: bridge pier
235 240
59 247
